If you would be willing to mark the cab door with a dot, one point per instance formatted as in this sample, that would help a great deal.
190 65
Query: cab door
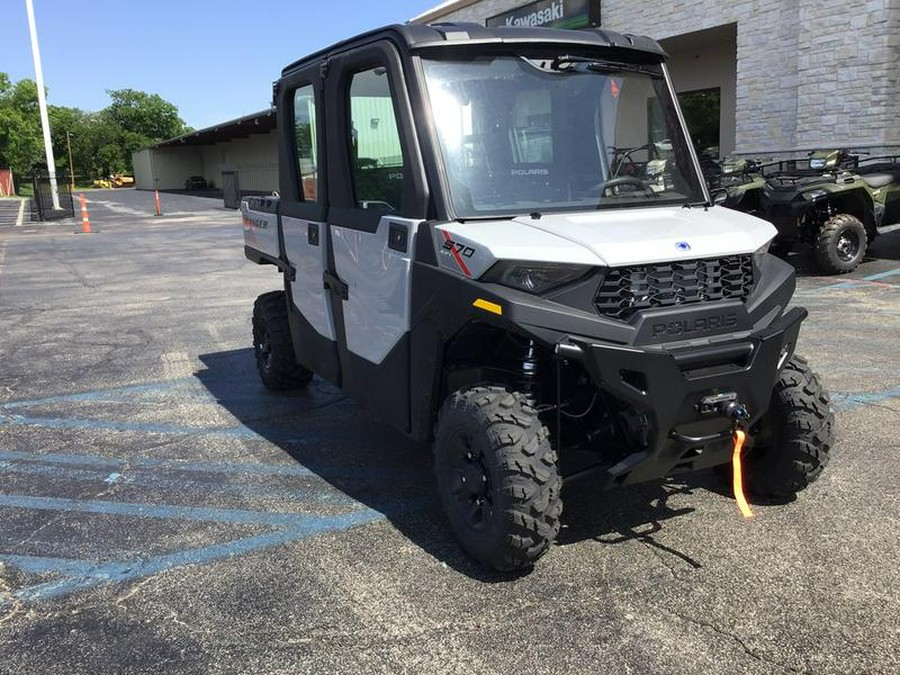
378 198
303 210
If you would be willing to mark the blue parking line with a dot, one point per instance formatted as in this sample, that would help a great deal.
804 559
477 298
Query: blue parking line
200 466
856 283
87 576
251 490
100 394
165 511
853 283
154 463
847 402
882 275
42 565
138 427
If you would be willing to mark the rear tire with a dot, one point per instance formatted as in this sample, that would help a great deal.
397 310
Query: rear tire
275 358
841 244
791 446
497 477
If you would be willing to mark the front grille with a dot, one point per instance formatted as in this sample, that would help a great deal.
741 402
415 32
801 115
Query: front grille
626 290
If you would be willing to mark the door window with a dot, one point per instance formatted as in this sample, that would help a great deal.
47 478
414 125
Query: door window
305 142
376 155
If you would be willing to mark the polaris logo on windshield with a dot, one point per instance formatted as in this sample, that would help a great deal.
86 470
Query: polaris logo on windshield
692 327
529 172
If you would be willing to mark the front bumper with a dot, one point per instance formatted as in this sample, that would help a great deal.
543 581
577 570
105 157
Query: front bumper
666 385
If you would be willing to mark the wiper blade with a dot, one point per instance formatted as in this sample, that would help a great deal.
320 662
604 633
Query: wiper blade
696 205
566 63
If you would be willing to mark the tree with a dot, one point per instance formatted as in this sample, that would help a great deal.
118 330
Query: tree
145 115
102 142
21 145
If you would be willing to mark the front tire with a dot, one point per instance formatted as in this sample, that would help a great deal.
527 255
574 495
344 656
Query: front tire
791 445
497 476
275 358
841 244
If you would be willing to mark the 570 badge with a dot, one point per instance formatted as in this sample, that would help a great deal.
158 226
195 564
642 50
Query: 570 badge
458 251
461 249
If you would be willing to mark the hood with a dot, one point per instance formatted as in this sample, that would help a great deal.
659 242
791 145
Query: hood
610 239
627 237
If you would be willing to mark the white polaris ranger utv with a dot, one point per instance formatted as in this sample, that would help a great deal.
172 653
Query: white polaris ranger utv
498 240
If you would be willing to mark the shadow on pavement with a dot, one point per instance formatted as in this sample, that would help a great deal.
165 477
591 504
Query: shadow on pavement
365 459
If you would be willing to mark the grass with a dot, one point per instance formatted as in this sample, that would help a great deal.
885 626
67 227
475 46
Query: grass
27 189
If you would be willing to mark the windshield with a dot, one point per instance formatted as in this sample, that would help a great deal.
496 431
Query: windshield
519 135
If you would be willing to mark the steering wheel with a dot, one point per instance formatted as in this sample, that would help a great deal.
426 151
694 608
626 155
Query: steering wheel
610 186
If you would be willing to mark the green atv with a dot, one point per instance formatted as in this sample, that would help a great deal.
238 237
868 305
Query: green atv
738 183
837 203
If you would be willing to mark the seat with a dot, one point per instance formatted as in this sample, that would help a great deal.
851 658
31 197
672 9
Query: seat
879 180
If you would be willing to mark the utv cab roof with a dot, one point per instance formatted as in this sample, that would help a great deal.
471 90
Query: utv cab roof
460 35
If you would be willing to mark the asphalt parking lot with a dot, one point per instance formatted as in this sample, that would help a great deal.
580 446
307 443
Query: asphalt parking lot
160 511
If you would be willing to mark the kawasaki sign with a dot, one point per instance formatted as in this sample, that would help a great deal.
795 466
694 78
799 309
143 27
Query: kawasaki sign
551 14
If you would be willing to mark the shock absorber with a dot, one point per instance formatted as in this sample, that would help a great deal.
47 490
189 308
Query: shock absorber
530 367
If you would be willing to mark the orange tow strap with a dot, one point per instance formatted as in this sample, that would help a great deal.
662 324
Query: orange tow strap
739 437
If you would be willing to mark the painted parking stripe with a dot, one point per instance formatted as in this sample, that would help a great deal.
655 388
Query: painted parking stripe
165 511
883 275
272 434
94 575
137 427
847 402
100 395
152 463
247 490
199 466
43 565
873 280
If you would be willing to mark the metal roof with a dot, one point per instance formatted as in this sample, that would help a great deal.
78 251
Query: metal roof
261 122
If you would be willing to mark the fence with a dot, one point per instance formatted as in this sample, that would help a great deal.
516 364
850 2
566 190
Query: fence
42 201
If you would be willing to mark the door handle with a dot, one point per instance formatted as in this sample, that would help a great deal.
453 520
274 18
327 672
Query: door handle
334 284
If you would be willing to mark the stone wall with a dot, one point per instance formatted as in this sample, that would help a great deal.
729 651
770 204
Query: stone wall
810 73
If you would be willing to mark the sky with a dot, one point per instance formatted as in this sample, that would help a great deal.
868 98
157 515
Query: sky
215 60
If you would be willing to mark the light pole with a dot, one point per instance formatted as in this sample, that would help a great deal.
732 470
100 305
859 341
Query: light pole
71 170
42 104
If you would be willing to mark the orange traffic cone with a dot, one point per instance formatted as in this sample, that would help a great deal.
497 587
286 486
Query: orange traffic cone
85 220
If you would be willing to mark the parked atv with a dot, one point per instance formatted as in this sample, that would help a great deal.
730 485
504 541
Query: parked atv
464 251
739 183
837 204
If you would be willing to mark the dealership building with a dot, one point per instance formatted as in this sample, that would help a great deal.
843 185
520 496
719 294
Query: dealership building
786 76
771 79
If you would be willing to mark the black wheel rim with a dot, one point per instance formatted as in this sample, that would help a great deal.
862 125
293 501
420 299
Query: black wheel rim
847 245
470 483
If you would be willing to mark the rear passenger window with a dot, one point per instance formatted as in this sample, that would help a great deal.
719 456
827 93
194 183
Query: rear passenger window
305 142
376 155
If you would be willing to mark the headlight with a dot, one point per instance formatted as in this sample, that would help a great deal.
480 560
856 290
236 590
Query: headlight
760 253
813 195
533 277
817 163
